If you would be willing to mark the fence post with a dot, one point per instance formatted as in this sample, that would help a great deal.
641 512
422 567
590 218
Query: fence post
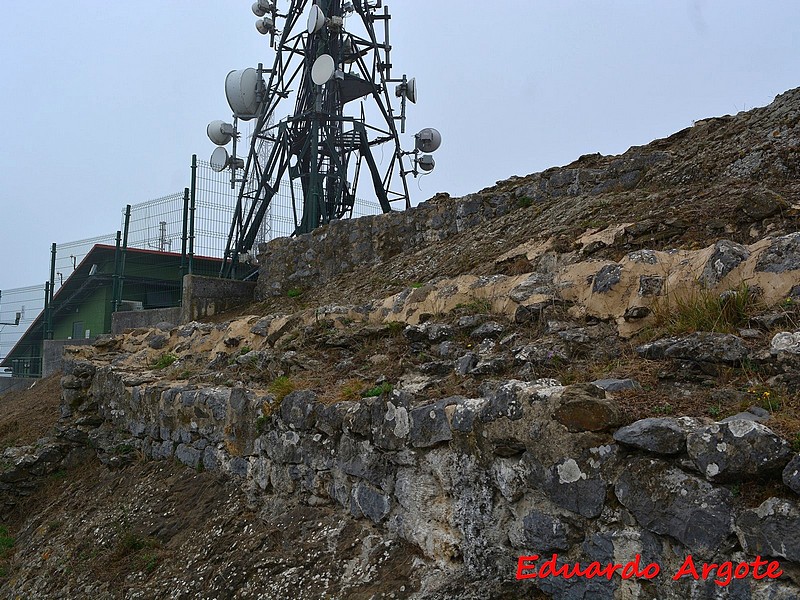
115 277
53 251
47 327
193 200
121 281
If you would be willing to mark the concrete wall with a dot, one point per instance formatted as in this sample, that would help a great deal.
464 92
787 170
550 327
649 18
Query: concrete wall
207 296
54 352
8 384
133 319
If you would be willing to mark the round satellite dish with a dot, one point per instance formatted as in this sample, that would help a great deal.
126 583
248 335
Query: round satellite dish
220 132
428 140
411 90
241 90
258 10
265 26
219 159
316 19
323 69
426 162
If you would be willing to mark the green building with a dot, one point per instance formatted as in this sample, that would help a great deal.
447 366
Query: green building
82 306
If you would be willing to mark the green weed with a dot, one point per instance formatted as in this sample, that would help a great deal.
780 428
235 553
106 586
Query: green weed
164 361
6 542
383 388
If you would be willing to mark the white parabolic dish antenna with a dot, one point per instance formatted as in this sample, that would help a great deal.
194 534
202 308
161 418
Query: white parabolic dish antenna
428 140
411 90
322 70
219 132
316 19
241 90
219 159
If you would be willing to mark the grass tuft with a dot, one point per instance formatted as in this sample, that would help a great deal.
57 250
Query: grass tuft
378 390
281 387
703 310
165 361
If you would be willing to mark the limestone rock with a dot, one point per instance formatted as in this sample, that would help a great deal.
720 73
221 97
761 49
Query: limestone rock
466 363
786 341
428 332
606 278
771 529
709 347
754 413
791 474
584 407
369 502
726 256
667 501
391 421
656 349
536 283
489 330
544 532
507 401
430 425
736 449
158 341
658 435
576 487
617 385
466 413
782 255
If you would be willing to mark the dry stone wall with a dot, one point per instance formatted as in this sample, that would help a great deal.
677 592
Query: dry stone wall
341 246
526 468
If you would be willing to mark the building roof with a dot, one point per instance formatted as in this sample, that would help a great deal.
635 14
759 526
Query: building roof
96 270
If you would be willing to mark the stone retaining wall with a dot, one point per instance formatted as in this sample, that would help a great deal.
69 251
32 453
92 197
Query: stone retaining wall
341 246
133 319
528 468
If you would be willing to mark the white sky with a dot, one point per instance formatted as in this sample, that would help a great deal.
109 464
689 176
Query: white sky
104 103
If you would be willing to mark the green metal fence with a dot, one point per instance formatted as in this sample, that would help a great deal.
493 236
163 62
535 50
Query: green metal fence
29 303
140 266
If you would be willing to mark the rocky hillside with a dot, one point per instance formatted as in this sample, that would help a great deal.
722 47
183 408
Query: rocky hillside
598 361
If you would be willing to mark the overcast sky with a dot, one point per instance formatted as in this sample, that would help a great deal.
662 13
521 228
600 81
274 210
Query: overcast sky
103 103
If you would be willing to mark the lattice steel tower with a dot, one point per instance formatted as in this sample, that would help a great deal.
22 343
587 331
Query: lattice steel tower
333 61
